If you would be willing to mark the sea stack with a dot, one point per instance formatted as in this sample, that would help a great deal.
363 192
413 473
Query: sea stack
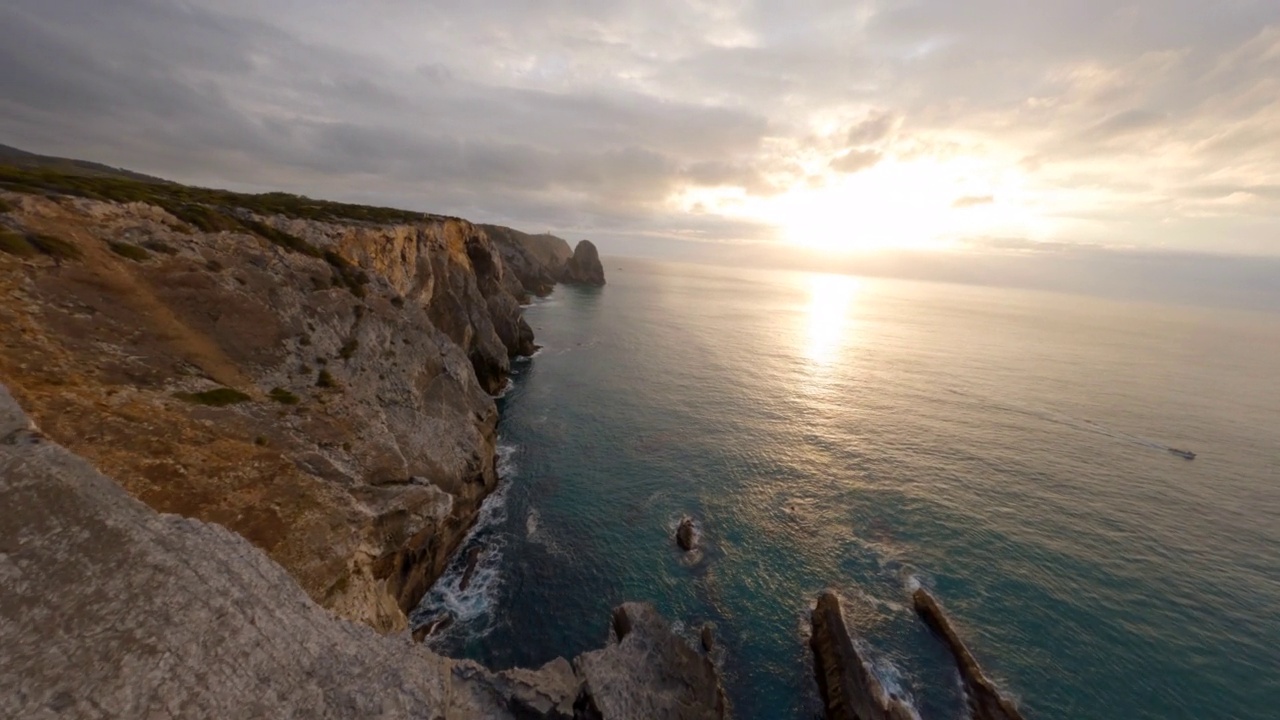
985 700
849 690
584 267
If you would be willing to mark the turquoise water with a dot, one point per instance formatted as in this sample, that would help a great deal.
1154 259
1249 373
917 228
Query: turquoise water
1007 448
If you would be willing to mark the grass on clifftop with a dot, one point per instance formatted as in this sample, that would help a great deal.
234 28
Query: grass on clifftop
132 252
29 244
203 208
220 397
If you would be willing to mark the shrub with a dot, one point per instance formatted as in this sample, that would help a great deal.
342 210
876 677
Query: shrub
54 247
132 252
160 247
260 441
284 397
349 349
15 244
219 397
213 266
326 380
282 238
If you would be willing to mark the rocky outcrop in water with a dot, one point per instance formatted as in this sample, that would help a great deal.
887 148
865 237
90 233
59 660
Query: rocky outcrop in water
849 688
111 610
315 377
686 537
649 673
985 700
584 267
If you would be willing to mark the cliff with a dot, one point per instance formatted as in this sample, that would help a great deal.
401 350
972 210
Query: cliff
111 610
536 261
313 376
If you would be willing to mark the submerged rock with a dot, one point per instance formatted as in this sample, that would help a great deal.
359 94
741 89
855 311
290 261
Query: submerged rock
849 689
473 557
686 536
985 700
584 267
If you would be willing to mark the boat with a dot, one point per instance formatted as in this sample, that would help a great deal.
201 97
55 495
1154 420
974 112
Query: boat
1183 453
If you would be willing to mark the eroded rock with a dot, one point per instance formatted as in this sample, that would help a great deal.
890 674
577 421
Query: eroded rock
985 700
849 688
649 673
686 534
584 267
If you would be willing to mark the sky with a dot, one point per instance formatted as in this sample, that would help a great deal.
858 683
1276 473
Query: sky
987 126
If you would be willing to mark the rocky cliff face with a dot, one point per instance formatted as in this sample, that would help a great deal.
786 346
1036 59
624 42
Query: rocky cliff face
584 267
535 262
321 386
111 610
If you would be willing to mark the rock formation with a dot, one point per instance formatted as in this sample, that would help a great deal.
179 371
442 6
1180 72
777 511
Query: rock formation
686 537
584 267
985 700
535 262
314 376
650 673
111 610
849 689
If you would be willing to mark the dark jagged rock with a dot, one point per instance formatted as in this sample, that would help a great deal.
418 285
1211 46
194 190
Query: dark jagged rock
473 557
985 699
850 691
584 267
649 673
708 637
686 537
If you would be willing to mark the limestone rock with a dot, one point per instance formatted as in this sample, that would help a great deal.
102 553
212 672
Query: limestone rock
584 267
649 673
985 700
362 354
849 689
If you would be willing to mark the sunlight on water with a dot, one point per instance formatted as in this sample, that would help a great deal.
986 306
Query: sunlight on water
829 323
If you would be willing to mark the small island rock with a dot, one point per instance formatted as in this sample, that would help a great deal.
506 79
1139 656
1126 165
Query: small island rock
685 536
584 267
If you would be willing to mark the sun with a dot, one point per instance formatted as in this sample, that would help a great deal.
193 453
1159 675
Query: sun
901 205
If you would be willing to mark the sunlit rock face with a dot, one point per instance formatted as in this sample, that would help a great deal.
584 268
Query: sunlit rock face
584 267
323 388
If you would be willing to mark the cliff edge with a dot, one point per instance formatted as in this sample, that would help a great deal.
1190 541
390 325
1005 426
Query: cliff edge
316 377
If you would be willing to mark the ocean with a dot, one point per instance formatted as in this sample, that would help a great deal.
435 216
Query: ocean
1006 448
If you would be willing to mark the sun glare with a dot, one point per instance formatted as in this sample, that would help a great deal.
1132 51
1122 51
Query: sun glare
895 205
829 325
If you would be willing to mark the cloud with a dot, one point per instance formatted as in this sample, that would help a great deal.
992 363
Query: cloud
856 161
873 129
972 201
591 118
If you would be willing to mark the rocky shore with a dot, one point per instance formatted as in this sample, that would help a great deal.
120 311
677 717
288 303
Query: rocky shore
111 610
